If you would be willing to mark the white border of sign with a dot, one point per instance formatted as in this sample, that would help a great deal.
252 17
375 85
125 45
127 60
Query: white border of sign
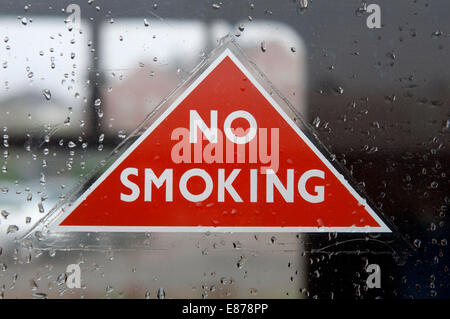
227 53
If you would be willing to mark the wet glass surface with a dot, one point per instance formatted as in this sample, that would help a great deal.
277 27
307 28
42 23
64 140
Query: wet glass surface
74 86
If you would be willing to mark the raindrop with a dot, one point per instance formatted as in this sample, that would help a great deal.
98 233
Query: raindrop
97 102
161 294
47 94
24 21
33 284
61 279
241 262
42 179
340 90
110 255
146 23
147 295
4 213
417 243
216 6
263 46
303 4
12 229
316 121
436 34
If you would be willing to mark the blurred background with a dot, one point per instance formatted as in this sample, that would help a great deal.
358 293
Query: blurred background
76 77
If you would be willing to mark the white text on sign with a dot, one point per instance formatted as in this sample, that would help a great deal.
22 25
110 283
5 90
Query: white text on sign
221 149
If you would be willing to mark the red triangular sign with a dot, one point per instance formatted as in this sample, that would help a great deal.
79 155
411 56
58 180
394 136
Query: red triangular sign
223 157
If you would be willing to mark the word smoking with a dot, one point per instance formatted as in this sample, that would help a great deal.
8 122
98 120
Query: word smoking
229 146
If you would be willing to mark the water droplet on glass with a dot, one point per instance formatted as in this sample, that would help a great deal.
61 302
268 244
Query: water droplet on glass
42 179
316 121
303 4
340 90
47 94
4 213
161 294
417 243
61 279
263 46
12 229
